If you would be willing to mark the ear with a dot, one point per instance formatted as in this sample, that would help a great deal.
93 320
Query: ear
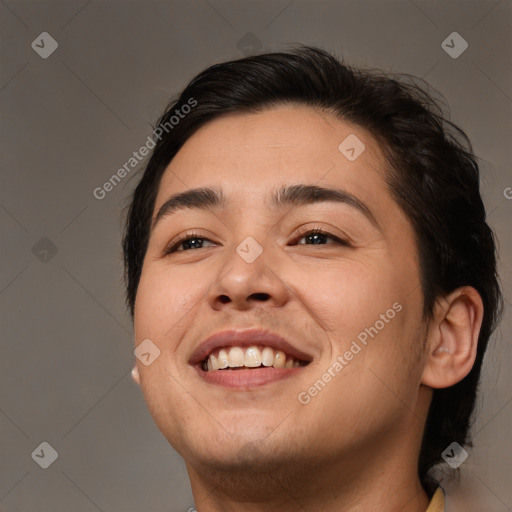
453 338
135 375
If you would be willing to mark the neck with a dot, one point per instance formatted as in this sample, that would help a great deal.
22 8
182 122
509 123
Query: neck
387 482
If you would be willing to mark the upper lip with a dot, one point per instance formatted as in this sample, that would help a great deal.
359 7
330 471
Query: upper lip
246 338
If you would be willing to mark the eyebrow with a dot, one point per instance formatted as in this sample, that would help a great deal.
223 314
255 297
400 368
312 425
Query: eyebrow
205 198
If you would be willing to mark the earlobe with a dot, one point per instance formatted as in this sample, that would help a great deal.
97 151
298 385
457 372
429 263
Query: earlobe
453 338
135 375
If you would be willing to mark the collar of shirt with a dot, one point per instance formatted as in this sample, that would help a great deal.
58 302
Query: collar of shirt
438 503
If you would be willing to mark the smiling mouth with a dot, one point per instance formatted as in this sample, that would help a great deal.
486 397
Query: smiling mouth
243 358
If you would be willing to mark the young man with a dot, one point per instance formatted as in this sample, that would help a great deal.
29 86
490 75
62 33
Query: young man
313 285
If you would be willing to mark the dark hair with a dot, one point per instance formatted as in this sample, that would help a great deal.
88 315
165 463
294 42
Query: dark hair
432 175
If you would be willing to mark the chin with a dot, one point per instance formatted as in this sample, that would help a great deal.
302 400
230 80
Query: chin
247 459
244 451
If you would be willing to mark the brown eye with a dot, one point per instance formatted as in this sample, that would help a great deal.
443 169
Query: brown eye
317 236
187 242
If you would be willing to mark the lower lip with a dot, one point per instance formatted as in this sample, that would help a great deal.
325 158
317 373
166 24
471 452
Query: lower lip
247 378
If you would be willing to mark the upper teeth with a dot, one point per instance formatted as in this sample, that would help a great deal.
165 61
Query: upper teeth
250 357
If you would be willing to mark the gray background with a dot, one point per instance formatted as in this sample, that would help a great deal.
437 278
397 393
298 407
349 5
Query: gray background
70 121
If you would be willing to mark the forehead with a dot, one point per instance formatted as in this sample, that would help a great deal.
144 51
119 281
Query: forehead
254 152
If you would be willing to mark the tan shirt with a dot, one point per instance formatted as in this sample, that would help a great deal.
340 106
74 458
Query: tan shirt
438 502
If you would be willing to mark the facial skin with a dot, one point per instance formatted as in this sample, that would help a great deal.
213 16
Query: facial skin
355 445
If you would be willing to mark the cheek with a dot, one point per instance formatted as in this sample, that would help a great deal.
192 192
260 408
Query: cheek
165 296
371 304
346 296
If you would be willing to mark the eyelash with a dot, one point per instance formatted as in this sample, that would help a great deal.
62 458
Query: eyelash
301 234
187 236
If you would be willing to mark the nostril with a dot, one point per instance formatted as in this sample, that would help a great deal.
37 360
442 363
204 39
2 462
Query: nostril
261 296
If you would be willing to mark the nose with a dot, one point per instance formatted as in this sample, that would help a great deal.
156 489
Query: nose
244 282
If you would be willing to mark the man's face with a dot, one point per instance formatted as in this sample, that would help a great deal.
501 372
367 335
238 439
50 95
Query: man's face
356 303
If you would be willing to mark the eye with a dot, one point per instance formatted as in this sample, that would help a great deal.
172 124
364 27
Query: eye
186 242
317 235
